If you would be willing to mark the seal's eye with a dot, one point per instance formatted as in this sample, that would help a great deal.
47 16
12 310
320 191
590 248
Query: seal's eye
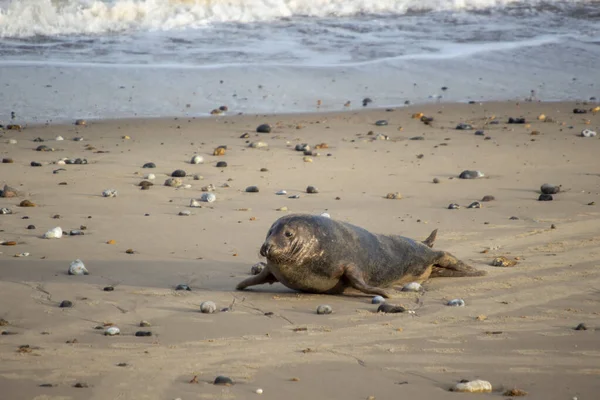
288 234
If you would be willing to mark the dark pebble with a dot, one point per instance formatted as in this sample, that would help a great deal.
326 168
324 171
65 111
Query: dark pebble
495 122
516 120
43 148
545 197
579 111
66 304
389 308
417 138
30 226
513 218
264 170
488 198
581 327
223 380
182 287
25 217
426 120
252 189
7 161
143 333
467 174
7 333
35 164
109 288
56 171
311 189
381 122
471 102
81 385
76 232
149 165
122 364
308 152
245 135
221 164
548 188
464 127
479 133
47 385
38 139
179 173
263 128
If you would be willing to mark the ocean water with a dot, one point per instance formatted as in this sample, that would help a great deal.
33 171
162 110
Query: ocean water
65 59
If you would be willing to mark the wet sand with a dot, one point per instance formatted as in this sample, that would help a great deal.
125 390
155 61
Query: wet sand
524 335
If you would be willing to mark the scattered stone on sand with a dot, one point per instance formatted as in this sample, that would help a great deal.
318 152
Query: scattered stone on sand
390 309
76 232
453 206
324 309
477 386
30 226
258 145
259 391
283 208
59 138
112 331
294 196
109 289
545 197
516 120
456 303
11 141
474 204
257 268
7 161
144 324
78 268
149 165
393 196
66 304
81 385
26 203
436 180
178 173
150 177
8 243
130 251
548 188
208 197
5 211
464 127
263 128
381 136
182 286
145 185
44 148
35 164
488 198
110 193
223 381
321 146
479 133
78 139
307 159
581 327
77 161
312 189
381 122
378 300
208 188
417 138
471 174
195 203
174 182
252 189
54 233
208 307
514 393
221 164
245 135
9 192
281 193
302 147
143 333
579 111
503 262
80 122
185 213
588 133
412 287
197 159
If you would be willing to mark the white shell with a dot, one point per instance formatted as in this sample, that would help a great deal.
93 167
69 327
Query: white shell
185 213
281 193
54 233
112 331
588 133
259 391
208 197
381 137
197 159
456 303
208 307
78 268
195 203
412 287
477 386
61 162
22 255
150 176
109 193
258 145
326 215
59 138
12 141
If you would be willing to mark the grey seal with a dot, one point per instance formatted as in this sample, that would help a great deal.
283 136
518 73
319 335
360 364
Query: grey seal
316 254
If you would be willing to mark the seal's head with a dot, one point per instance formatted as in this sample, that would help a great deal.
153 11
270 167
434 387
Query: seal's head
293 239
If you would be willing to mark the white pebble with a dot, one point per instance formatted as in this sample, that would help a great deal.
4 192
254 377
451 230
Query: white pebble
59 138
78 268
109 193
324 309
456 303
186 186
258 145
12 141
259 391
185 213
326 215
208 307
197 159
477 386
281 193
208 197
112 331
54 233
150 176
377 300
588 133
61 162
412 287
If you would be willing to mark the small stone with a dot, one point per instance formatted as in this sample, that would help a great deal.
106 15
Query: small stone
195 203
145 185
307 159
76 232
548 188
149 165
59 138
182 286
312 189
26 203
78 268
30 226
245 136
581 327
515 393
302 147
377 300
221 164
325 215
417 138
179 173
257 268
150 176
208 188
143 333
464 127
44 148
390 308
294 196
77 139
477 386
545 197
324 309
456 303
130 251
281 193
252 189
66 304
479 133
185 213
453 206
35 164
174 182
81 385
436 180
7 161
412 287
381 122
208 307
516 120
366 101
263 128
144 324
259 391
470 174
80 122
513 218
393 196
208 197
381 136
488 198
112 331
503 262
54 233
284 208
5 211
197 159
579 111
258 145
321 146
223 381
109 288
474 204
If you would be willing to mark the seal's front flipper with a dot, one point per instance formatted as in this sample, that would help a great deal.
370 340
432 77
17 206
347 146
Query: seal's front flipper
355 280
429 241
265 276
449 266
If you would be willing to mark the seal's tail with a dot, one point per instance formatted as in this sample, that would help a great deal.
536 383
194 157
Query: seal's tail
429 241
450 267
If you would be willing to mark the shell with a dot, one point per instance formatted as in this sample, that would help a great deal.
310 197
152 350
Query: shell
208 197
195 203
54 233
208 307
324 309
112 331
110 193
78 268
456 303
477 386
412 287
197 159
59 138
150 176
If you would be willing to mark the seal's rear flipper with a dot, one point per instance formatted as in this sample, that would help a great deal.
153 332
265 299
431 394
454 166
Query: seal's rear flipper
429 241
265 276
450 267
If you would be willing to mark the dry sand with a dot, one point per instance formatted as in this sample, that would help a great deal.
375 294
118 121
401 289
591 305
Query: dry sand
524 339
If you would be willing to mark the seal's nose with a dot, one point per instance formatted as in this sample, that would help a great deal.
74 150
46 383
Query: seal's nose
264 249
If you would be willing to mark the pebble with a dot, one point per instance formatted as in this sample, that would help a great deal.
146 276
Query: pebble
178 173
284 208
44 148
183 286
381 136
436 180
479 133
453 206
59 138
174 182
8 191
516 120
7 161
545 197
258 145
208 197
110 193
307 159
302 147
456 303
477 386
185 213
257 268
144 324
503 262
259 391
66 304
381 122
109 288
208 307
393 196
548 188
112 331
198 177
149 165
81 385
78 139
390 308
26 203
312 189
294 196
30 226
474 204
143 333
417 138
195 203
208 188
281 193
197 159
221 164
54 233
150 176
326 215
470 174
588 133
76 232
77 161
488 198
366 101
324 309
377 300
579 111
252 189
263 128
223 380
412 287
145 184
581 327
78 268
22 255
35 164
80 122
5 211
464 127
12 141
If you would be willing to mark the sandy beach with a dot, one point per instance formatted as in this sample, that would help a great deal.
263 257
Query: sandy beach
516 330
